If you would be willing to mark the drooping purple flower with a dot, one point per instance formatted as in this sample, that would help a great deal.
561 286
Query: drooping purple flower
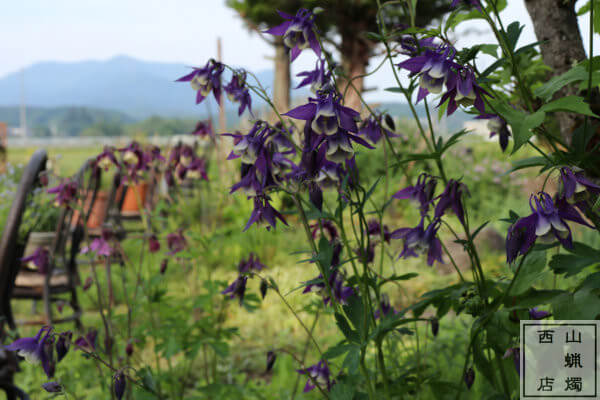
462 89
418 240
107 158
411 46
339 146
153 244
576 182
176 242
319 374
133 157
434 68
326 114
238 92
435 326
497 126
469 377
452 198
422 193
468 3
88 341
237 288
373 129
197 169
65 192
515 353
163 266
384 308
319 79
264 214
251 264
374 231
120 384
548 219
30 348
203 129
62 344
205 80
298 32
87 284
40 258
52 387
536 314
341 292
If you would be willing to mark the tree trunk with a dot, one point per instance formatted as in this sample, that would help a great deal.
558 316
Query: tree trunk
282 80
355 51
555 24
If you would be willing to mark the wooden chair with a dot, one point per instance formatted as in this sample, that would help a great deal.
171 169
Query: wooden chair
62 276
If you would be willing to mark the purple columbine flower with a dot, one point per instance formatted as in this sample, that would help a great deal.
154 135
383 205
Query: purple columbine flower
238 92
373 129
433 67
65 192
418 240
548 219
197 169
88 341
536 314
452 198
100 246
107 158
271 357
463 89
40 258
133 157
411 47
341 293
203 129
205 80
422 193
318 373
176 242
319 79
515 353
575 182
251 264
298 32
62 344
339 146
237 288
37 349
264 214
52 387
384 308
497 126
326 114
374 231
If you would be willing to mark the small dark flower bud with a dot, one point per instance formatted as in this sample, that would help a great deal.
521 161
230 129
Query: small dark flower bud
44 179
435 326
316 196
271 357
469 377
153 244
62 344
263 288
163 266
52 387
129 348
390 122
88 283
120 383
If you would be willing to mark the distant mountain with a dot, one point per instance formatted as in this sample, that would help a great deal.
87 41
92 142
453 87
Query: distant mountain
62 121
134 87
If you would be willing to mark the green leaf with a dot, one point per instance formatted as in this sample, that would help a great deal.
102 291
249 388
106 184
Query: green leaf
338 350
344 326
355 310
547 90
531 271
521 122
581 257
584 304
574 104
533 298
341 391
513 31
528 163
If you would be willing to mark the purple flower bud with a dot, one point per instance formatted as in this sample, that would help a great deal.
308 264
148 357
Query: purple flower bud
271 357
452 198
536 314
153 244
237 288
88 283
129 348
52 387
88 341
176 242
62 345
435 326
469 377
264 286
119 384
163 266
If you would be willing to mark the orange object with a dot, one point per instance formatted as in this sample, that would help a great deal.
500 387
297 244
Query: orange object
98 212
130 203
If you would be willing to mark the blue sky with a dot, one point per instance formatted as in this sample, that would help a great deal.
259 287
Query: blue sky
164 30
